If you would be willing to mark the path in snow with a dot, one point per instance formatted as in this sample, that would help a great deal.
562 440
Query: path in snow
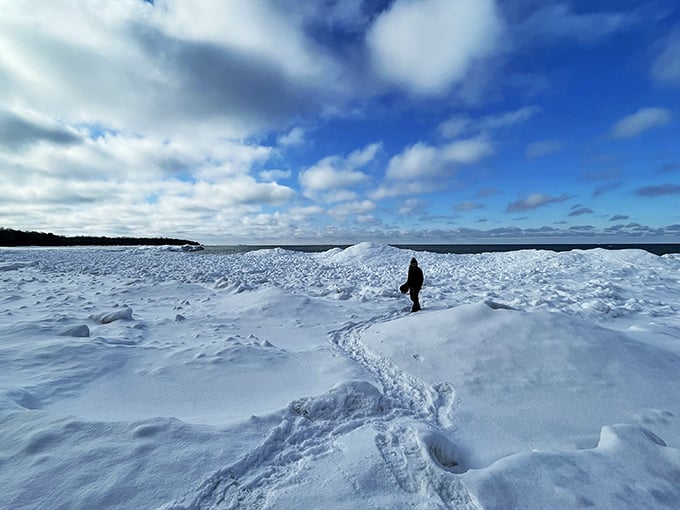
405 413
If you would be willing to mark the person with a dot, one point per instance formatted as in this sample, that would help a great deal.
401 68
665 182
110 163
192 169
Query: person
413 284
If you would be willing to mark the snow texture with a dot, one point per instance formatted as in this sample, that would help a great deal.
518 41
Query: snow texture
168 379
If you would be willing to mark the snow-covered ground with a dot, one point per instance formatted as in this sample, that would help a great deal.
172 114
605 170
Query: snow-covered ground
151 378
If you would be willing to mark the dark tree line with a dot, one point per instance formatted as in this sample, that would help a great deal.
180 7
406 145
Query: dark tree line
9 237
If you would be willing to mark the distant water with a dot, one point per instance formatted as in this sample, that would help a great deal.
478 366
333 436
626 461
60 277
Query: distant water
657 249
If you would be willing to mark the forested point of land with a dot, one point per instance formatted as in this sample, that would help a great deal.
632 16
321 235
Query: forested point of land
10 237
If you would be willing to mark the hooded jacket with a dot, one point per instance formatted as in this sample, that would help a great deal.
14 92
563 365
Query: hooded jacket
415 276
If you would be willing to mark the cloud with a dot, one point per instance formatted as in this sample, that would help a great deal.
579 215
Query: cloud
325 175
416 161
405 188
605 188
604 173
274 175
202 76
619 217
165 68
456 126
543 148
295 136
302 213
661 190
428 45
487 192
535 200
467 206
364 156
117 184
423 161
465 125
641 121
412 206
580 211
666 66
335 172
352 208
367 219
558 22
465 152
18 132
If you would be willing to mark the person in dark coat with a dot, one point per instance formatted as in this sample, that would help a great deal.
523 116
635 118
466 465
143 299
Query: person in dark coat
413 284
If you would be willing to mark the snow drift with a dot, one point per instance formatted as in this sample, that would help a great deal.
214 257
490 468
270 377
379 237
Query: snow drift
151 378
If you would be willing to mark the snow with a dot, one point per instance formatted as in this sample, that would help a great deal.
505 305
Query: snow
161 378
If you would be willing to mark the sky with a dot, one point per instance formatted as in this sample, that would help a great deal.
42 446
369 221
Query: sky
341 121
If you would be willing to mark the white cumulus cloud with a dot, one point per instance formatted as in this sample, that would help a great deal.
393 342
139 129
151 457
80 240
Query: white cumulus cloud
425 161
337 172
295 136
427 45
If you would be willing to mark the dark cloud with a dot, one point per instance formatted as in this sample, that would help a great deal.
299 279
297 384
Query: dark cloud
219 82
542 230
583 230
505 231
630 233
604 188
487 192
534 201
615 228
657 191
467 206
581 210
670 167
619 217
18 132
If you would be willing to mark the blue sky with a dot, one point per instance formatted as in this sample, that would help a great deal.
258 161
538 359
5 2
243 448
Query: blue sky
340 121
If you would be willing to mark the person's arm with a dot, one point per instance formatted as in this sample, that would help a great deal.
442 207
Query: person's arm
404 288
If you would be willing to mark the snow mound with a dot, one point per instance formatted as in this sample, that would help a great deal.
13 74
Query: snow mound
636 466
124 313
80 331
364 253
542 375
15 265
350 400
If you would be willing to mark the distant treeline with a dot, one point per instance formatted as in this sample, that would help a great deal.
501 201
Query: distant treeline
9 237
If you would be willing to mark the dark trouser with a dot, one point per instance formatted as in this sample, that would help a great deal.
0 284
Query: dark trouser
414 297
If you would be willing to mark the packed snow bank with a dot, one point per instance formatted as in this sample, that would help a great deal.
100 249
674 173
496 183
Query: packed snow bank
363 253
279 379
630 468
528 381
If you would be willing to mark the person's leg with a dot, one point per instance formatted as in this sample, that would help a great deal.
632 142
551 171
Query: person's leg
414 297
